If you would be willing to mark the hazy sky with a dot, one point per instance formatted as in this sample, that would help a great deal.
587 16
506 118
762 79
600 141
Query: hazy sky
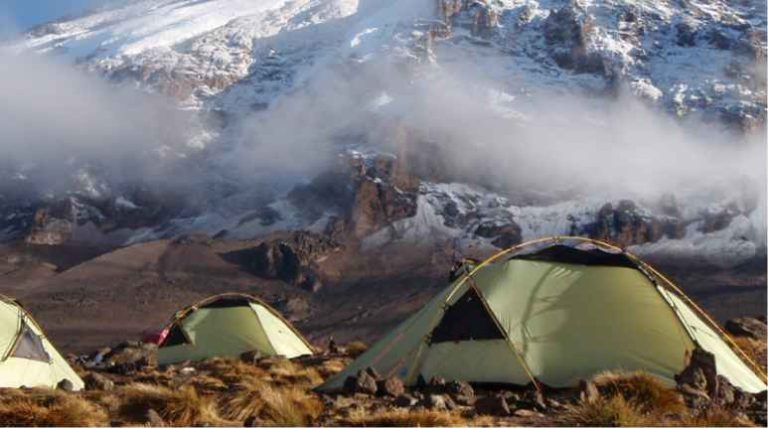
27 13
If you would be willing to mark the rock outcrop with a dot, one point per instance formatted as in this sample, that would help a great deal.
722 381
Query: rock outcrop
504 235
291 259
754 328
625 224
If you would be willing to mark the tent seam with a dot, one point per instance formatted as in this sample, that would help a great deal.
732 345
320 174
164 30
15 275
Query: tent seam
509 341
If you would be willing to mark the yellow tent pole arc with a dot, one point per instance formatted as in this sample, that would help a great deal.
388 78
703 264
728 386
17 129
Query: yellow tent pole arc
501 328
706 316
598 243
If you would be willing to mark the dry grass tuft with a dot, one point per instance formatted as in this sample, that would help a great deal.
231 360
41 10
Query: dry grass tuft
405 418
714 417
49 408
307 377
183 406
246 400
644 391
290 407
356 348
207 384
606 411
231 370
272 405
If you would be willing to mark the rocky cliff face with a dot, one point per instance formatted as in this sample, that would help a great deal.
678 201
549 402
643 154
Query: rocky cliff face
228 60
691 57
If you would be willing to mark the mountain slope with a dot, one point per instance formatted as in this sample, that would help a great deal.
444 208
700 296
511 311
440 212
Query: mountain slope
282 88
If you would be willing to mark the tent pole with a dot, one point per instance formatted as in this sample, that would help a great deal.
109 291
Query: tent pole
511 344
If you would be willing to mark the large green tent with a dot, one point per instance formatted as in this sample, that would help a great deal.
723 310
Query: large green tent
557 310
229 325
28 358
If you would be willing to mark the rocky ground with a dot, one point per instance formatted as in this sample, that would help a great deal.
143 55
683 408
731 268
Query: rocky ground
124 386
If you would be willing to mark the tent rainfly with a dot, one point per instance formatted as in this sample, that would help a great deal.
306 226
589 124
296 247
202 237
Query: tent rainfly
555 311
229 325
29 359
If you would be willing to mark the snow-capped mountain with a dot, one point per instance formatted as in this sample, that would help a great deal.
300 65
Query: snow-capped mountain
240 65
692 56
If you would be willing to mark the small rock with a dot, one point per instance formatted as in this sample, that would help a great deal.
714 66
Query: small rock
439 402
534 399
758 408
461 392
492 405
436 385
373 373
700 373
510 396
747 327
742 400
153 418
65 385
98 356
333 347
391 386
694 398
362 383
405 400
251 357
524 413
96 381
186 371
726 393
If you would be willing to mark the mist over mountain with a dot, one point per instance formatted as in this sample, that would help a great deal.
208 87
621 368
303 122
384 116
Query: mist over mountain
639 122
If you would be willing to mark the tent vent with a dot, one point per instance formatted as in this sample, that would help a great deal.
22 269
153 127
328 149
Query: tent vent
467 319
30 346
565 254
228 302
175 337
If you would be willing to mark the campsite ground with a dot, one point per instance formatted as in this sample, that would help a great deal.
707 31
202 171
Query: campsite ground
126 388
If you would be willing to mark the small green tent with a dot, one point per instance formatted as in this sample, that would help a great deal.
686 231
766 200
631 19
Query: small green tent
556 310
229 325
28 358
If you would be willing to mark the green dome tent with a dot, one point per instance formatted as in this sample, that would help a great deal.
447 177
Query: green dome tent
28 358
229 325
556 310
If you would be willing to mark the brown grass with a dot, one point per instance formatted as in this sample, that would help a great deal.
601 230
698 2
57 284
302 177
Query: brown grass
183 406
644 391
231 370
714 417
405 418
272 405
606 411
286 372
49 408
